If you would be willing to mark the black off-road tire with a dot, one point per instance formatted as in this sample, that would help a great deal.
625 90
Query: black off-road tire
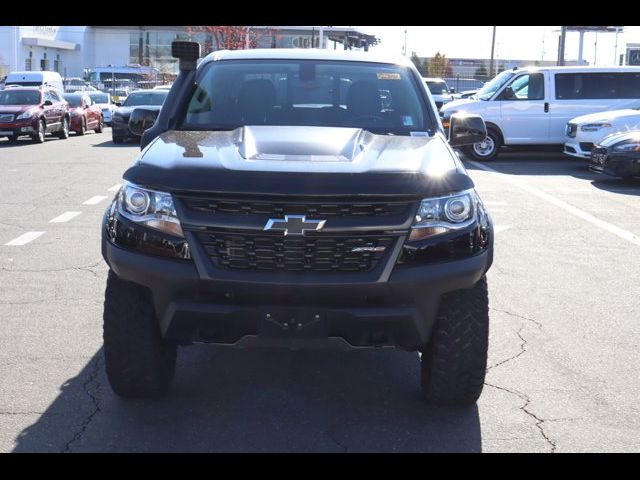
117 139
138 361
494 139
453 364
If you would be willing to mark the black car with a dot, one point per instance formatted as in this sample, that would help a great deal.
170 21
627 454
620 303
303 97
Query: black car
271 208
150 99
617 154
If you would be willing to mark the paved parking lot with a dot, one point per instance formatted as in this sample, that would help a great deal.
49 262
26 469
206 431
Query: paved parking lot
564 356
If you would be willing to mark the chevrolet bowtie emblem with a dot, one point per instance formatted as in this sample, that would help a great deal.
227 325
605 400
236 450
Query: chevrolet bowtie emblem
294 224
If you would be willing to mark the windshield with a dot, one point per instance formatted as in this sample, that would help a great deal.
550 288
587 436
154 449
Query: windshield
437 88
19 97
490 88
136 99
73 100
378 97
99 97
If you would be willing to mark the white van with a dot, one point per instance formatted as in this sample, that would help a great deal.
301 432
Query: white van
36 79
531 105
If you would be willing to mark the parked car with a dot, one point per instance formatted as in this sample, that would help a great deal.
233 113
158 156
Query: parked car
103 101
585 131
42 79
71 84
119 95
617 154
33 111
85 114
440 91
163 87
254 219
120 123
532 105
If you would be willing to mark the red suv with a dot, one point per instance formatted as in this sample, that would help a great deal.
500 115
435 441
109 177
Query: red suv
33 111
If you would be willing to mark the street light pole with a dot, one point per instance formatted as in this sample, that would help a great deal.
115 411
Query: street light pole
405 43
493 45
563 36
246 38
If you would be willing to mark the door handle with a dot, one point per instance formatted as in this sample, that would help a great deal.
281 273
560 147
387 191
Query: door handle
546 107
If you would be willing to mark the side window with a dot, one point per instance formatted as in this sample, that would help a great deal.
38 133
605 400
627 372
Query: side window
54 96
571 86
47 96
525 87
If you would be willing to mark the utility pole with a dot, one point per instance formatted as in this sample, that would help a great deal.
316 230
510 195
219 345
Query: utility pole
405 43
563 37
595 51
493 45
615 51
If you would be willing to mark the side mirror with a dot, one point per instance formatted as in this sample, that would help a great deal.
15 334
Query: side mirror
118 104
466 129
47 103
141 119
452 90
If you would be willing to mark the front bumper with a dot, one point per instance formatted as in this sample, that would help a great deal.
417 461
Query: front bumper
120 128
616 165
18 128
397 312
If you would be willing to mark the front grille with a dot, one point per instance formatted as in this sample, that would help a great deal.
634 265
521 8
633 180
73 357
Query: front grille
316 253
6 117
586 146
572 128
599 155
310 209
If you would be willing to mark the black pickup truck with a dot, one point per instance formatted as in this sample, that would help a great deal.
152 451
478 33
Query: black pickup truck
278 201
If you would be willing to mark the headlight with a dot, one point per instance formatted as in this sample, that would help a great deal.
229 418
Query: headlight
440 215
627 147
150 208
594 127
27 114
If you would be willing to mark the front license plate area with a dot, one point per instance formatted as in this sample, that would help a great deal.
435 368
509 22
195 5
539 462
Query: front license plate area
292 323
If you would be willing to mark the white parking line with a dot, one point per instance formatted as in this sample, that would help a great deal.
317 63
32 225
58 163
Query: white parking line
624 234
115 188
95 200
24 238
65 217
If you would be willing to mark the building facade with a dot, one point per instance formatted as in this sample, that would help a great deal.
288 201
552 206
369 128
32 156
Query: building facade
73 50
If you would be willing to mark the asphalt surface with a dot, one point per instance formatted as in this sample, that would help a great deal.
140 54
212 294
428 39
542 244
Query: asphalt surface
563 360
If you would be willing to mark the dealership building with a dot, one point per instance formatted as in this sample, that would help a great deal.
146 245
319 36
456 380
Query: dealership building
71 50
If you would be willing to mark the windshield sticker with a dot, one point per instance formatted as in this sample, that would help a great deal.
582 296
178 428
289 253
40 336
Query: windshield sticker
388 76
419 134
407 121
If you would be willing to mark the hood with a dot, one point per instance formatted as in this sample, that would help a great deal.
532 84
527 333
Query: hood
302 160
610 140
601 117
15 108
457 104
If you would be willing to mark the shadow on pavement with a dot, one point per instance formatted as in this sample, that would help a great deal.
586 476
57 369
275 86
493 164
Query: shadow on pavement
541 162
263 400
110 144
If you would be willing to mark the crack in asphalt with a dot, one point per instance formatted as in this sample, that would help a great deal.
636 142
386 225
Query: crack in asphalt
92 381
523 349
524 408
82 268
529 319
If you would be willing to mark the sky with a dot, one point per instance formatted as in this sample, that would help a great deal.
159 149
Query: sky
513 43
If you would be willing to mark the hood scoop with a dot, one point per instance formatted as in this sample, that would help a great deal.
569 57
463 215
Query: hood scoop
308 144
